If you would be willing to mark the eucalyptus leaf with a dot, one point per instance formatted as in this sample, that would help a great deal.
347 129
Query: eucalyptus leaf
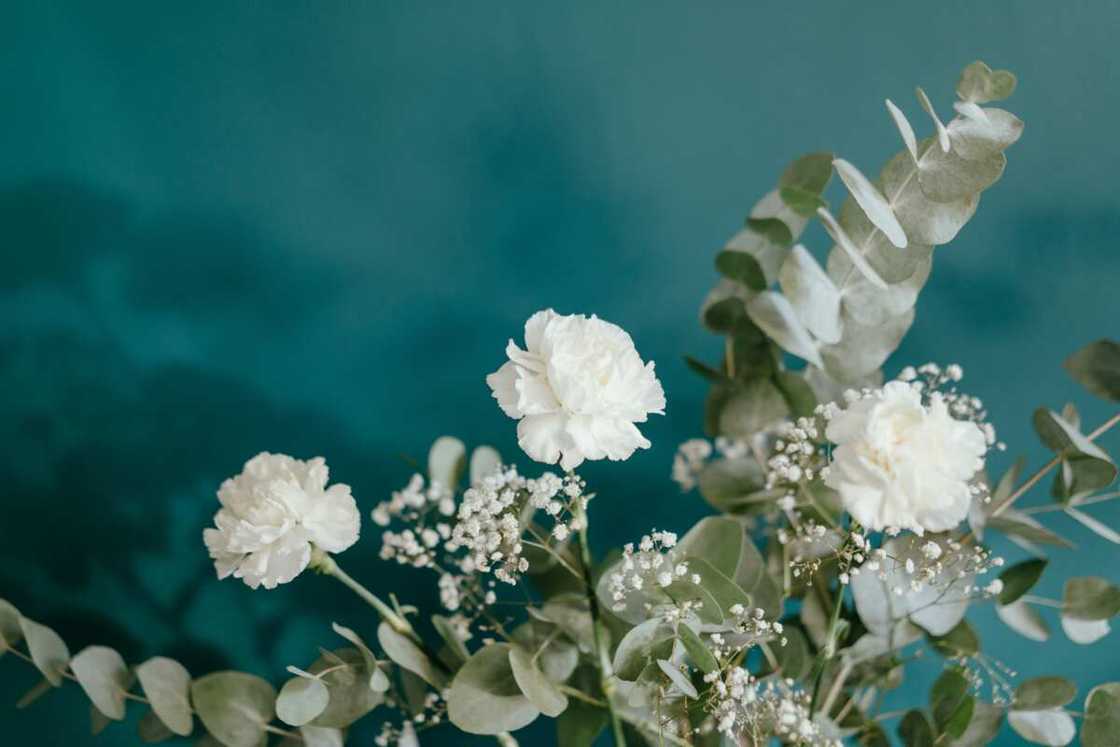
1097 527
1024 620
980 84
301 700
1097 368
727 484
753 407
984 132
915 730
344 673
402 650
742 267
484 697
1091 468
814 296
48 650
1090 598
960 641
982 727
872 201
485 461
774 229
378 682
446 461
1026 528
450 635
652 639
1044 693
10 631
904 129
540 691
151 729
234 707
1019 579
890 263
864 348
38 690
775 316
678 678
570 613
697 651
1102 716
98 721
580 724
166 683
926 221
105 678
1084 632
855 256
1054 727
809 173
944 176
325 736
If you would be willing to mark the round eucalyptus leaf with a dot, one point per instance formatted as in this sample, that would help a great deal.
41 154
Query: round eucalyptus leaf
1097 368
234 706
775 316
540 691
1024 620
484 697
725 544
446 460
915 730
652 639
1102 716
982 727
344 673
377 679
10 632
485 461
1090 598
926 222
980 84
48 650
152 730
402 650
105 678
874 204
324 736
1054 728
167 685
1044 693
301 700
1084 631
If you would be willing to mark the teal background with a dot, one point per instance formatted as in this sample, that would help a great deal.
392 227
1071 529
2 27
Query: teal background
311 227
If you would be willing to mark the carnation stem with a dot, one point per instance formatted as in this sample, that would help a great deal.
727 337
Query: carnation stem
1033 479
606 672
326 564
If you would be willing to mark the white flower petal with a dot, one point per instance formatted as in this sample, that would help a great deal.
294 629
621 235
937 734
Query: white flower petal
542 436
503 387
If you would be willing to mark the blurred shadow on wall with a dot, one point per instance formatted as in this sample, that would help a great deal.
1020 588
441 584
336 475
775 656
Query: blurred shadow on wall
110 463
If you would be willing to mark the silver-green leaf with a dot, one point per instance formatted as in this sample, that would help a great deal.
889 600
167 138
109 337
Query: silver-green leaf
484 697
105 678
167 684
48 650
540 691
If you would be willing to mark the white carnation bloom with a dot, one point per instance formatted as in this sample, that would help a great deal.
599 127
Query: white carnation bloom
272 514
578 389
899 463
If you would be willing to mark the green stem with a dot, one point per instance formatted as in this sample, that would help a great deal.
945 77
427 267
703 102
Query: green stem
829 650
327 565
606 672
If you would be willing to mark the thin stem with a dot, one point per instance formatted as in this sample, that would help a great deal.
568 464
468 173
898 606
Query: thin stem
580 695
606 673
542 543
327 565
1042 601
829 646
1033 480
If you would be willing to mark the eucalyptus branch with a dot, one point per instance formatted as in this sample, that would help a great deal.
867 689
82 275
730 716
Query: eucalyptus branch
128 695
829 649
1033 480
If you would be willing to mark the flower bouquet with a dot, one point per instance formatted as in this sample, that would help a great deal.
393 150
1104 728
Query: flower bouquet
849 535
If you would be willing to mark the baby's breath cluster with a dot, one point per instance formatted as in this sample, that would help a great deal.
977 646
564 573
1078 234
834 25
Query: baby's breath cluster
649 565
748 711
796 457
693 455
933 562
940 382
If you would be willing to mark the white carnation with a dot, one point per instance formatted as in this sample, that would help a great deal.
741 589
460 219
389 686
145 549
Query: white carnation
271 515
578 389
899 463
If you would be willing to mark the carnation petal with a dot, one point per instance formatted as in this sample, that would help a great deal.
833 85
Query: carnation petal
503 387
542 436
